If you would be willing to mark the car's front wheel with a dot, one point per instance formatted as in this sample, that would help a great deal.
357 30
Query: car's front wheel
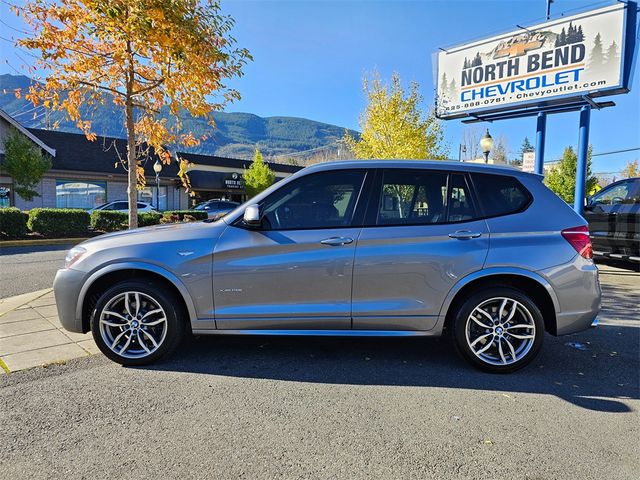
136 322
498 329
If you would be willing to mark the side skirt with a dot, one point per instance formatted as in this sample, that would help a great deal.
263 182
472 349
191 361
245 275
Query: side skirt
324 333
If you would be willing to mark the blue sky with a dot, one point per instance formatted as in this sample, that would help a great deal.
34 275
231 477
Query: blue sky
310 57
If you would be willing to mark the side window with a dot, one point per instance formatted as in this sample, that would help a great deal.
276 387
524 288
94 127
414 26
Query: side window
500 194
460 206
142 205
412 197
615 195
320 200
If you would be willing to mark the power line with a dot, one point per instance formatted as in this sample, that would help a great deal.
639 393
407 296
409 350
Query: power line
615 151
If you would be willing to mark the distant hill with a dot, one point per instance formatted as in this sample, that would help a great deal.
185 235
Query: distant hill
236 134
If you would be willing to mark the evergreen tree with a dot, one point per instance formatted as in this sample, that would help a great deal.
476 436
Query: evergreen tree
259 177
562 178
570 34
526 146
25 164
452 90
563 38
596 60
612 54
579 35
444 84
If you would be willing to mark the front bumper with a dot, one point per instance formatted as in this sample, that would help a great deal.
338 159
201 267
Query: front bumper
66 289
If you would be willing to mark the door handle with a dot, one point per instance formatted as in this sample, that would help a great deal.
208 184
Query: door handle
336 241
464 235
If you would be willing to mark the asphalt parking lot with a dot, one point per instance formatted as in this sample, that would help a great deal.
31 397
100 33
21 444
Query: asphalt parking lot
337 408
27 269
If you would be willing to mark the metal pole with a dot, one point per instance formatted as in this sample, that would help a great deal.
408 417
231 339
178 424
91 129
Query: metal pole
158 191
549 2
541 132
581 168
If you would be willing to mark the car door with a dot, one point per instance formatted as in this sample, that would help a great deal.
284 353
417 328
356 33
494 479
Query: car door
421 236
295 270
628 222
602 213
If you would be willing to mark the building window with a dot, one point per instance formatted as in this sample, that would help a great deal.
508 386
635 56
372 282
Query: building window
150 195
80 194
5 196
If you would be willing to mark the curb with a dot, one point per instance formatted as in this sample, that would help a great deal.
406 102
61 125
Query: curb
44 241
10 304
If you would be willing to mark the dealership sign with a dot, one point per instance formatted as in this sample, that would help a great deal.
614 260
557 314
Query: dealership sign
554 62
233 181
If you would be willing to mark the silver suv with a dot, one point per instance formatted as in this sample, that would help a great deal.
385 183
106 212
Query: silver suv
372 248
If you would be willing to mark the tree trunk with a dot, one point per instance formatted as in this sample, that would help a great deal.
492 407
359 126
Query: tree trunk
132 163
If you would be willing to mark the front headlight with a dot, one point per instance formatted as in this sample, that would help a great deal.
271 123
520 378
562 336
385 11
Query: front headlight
73 256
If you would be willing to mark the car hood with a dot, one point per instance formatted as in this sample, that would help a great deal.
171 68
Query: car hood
157 234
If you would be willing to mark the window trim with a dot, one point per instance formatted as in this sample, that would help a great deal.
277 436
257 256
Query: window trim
374 207
354 223
481 207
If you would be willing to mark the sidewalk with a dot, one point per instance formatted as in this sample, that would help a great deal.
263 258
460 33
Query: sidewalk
31 334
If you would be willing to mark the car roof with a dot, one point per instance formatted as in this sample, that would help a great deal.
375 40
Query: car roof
422 164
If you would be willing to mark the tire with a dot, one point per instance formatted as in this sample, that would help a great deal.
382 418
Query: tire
498 346
155 332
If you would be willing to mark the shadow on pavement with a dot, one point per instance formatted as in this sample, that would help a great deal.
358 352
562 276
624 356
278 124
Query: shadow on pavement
595 370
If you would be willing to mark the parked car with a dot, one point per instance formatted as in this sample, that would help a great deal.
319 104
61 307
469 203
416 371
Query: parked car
217 208
370 248
123 206
614 220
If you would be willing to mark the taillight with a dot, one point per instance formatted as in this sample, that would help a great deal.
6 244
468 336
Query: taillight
578 237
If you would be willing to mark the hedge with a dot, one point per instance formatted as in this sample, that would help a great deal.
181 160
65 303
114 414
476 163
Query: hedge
108 221
148 219
196 214
13 223
58 221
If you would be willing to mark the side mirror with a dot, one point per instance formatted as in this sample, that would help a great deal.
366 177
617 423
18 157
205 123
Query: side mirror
252 216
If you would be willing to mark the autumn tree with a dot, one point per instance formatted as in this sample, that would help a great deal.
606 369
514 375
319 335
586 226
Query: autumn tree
394 126
631 169
258 177
562 178
152 59
25 163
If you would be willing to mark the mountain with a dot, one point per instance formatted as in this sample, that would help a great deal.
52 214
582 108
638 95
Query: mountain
236 134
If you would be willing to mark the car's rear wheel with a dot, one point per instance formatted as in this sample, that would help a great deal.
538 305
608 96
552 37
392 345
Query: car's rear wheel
137 322
499 329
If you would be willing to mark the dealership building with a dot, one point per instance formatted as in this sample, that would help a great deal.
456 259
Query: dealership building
85 174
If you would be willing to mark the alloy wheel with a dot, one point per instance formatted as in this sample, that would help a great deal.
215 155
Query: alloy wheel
133 324
500 331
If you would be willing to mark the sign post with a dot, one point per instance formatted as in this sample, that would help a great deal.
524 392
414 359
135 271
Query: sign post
581 168
541 131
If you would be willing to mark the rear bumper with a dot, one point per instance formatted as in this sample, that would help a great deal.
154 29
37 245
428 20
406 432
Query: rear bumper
66 289
577 289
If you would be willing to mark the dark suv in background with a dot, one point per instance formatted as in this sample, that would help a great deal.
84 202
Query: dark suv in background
614 221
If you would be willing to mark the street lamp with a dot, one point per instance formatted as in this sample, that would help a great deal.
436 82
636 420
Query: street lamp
486 144
157 167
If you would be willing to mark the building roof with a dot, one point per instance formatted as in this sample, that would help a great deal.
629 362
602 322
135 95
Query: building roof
75 152
12 121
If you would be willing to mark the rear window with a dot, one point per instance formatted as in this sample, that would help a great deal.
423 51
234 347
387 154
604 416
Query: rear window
500 194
